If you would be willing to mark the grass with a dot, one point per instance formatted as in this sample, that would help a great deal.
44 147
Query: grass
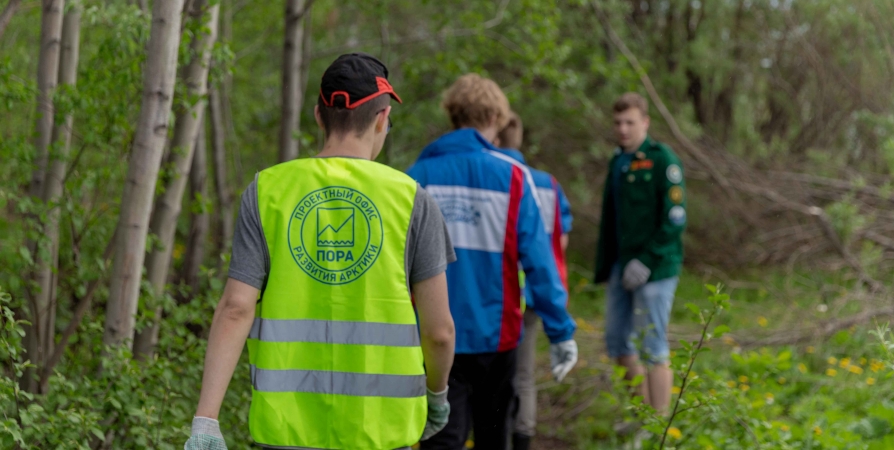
825 392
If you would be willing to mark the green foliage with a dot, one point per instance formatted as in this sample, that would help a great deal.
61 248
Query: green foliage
785 85
832 394
846 218
136 404
690 394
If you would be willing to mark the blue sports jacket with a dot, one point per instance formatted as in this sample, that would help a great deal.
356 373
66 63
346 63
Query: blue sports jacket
555 210
489 203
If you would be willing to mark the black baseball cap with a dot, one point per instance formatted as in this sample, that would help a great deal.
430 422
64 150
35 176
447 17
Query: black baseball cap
358 78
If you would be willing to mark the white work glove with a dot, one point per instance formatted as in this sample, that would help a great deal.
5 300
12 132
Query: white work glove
438 413
636 274
205 435
562 358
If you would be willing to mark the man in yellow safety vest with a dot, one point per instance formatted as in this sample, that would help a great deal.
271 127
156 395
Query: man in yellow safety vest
330 256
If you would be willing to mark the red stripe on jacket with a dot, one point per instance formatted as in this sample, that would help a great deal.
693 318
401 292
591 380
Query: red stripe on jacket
558 251
510 328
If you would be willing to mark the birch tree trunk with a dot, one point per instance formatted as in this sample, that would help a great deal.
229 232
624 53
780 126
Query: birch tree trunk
198 219
39 335
7 14
47 271
47 78
221 188
169 204
292 87
159 74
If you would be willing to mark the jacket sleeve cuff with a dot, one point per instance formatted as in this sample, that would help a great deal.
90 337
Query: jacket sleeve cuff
647 259
562 335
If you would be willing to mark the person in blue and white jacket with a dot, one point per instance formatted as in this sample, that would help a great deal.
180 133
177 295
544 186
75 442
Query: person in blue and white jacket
490 205
555 210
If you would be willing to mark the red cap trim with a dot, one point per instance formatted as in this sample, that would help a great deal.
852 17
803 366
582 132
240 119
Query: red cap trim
384 88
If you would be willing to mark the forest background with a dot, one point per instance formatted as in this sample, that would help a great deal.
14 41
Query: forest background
782 111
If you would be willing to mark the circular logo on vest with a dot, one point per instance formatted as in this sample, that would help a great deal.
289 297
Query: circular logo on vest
335 234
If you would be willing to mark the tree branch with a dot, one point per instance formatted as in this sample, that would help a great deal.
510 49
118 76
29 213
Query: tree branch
690 148
7 14
80 311
820 330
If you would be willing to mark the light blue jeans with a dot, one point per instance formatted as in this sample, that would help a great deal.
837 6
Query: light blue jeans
640 315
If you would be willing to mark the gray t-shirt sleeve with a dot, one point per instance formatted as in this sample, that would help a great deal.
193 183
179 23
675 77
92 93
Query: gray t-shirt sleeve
250 262
429 249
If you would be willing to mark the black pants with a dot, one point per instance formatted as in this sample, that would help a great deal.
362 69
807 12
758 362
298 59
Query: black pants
480 396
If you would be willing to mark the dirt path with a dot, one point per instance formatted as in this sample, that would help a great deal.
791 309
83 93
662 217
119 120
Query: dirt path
550 443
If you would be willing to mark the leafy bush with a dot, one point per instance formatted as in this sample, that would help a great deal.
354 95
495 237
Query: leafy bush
833 395
126 403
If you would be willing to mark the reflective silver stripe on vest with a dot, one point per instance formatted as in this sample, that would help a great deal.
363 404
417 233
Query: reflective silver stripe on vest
340 383
335 332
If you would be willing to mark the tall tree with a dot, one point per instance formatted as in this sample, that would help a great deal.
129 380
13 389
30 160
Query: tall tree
198 217
186 129
7 13
221 188
159 74
292 73
48 267
47 78
40 332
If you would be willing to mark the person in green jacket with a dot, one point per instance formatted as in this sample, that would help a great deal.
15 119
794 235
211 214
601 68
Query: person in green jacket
640 249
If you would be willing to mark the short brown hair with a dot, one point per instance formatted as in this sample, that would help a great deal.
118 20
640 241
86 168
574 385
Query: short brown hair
339 120
631 100
475 101
511 135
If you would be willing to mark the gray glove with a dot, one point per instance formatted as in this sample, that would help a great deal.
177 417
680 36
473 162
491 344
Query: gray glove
438 413
562 358
636 274
205 435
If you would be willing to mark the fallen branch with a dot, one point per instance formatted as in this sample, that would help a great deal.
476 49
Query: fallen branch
822 330
842 185
825 223
885 242
739 177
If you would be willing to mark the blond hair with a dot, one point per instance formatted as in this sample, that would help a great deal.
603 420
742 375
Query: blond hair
475 101
511 135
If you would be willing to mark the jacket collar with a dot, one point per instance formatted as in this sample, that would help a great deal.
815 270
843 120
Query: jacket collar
647 145
464 140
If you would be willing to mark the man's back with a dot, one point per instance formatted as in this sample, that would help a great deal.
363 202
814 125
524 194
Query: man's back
555 211
494 223
335 344
325 255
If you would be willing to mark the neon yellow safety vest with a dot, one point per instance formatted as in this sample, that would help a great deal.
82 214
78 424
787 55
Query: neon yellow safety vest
335 356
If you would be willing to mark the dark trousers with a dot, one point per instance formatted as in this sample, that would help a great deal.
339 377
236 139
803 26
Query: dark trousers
480 396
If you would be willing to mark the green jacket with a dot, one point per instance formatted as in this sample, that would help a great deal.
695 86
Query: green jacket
652 214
